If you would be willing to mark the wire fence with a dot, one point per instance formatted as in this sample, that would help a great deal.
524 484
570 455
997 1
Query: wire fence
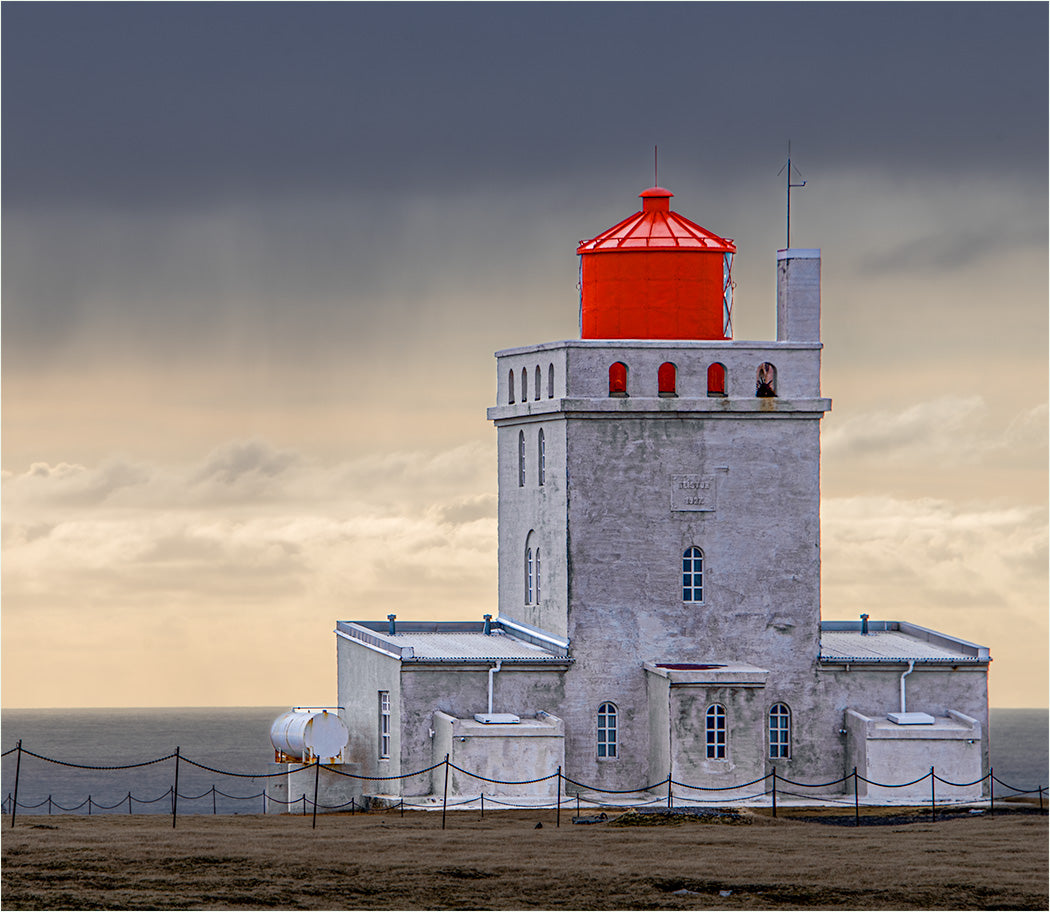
768 786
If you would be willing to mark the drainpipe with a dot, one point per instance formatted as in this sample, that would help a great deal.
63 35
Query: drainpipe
911 668
492 671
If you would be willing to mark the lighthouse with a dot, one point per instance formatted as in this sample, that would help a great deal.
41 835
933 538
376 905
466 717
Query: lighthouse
659 560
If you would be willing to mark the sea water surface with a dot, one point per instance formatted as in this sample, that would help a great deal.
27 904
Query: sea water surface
237 739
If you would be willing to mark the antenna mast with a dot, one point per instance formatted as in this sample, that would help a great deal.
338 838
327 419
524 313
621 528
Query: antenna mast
656 167
789 168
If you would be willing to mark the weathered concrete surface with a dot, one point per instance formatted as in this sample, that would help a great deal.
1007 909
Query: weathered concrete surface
887 754
530 749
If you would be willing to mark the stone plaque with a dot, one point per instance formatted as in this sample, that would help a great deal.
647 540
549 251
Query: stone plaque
693 493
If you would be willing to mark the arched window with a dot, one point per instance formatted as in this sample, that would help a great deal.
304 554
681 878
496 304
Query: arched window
541 463
716 379
667 379
521 459
693 575
607 730
510 387
550 381
537 393
779 732
766 381
524 384
537 576
618 379
715 729
528 576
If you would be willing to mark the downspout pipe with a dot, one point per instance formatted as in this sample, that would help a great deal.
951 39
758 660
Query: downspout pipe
499 664
904 705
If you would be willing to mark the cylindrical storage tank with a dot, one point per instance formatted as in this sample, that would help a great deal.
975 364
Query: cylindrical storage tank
309 734
656 275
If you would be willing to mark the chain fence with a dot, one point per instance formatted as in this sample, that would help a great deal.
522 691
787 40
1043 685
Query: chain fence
770 786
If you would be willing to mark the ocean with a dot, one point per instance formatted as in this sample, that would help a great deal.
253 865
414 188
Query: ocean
237 739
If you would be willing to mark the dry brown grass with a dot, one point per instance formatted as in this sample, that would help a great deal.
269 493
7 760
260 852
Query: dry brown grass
383 861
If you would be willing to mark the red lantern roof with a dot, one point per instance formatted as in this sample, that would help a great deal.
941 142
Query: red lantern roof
656 227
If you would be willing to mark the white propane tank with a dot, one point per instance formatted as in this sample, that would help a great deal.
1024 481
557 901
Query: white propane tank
309 735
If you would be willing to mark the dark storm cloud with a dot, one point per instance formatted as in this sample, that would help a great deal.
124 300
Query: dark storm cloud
162 104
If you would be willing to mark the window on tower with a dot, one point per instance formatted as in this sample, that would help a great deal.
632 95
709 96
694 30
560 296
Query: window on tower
766 381
510 387
715 730
716 379
618 379
667 379
536 394
521 459
537 576
607 731
550 381
693 575
528 576
524 384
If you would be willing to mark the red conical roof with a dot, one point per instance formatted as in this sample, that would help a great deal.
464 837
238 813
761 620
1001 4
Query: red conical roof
656 227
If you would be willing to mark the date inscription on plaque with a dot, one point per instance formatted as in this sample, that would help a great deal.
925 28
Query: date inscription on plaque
693 493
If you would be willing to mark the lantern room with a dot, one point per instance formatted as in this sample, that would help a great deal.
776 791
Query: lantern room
656 275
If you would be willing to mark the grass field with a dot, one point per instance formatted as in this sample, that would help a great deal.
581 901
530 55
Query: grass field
506 861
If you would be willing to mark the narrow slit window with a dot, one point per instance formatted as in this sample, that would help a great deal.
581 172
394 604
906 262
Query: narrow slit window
779 732
524 384
384 725
542 457
537 576
716 379
537 391
550 381
528 576
693 575
716 732
618 379
510 388
607 731
521 459
667 379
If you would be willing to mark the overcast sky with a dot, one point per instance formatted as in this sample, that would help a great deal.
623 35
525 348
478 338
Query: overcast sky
256 259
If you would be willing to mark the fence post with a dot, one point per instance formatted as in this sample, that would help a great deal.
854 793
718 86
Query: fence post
353 803
482 805
317 785
304 803
49 804
557 818
933 795
89 805
856 800
991 789
774 791
18 770
402 807
129 803
577 802
175 791
1040 799
444 800
670 799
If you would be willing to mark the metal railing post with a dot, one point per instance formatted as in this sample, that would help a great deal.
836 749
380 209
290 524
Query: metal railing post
129 803
304 803
1040 799
353 804
89 805
18 770
175 791
444 800
557 818
213 810
670 798
991 789
774 791
317 785
856 800
482 805
933 795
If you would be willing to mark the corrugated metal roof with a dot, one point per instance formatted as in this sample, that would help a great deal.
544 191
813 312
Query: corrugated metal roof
890 645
